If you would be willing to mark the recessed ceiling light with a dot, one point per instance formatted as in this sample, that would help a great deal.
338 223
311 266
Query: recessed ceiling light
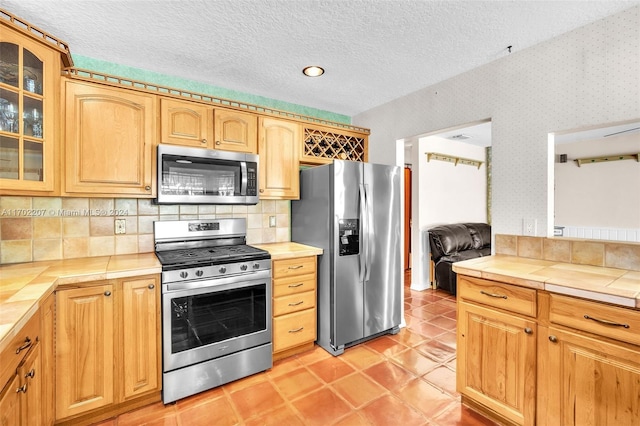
313 71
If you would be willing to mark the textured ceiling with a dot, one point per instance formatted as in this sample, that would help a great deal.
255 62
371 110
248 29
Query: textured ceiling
373 50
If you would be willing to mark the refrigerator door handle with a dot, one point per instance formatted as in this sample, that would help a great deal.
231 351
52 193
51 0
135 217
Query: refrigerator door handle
368 237
363 237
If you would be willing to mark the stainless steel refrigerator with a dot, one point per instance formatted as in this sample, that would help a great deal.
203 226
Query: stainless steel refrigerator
352 211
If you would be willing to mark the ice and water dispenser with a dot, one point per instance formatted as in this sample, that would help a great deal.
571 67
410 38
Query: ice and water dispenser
349 239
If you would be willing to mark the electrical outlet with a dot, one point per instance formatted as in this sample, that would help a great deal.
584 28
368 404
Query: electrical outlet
272 221
529 226
121 226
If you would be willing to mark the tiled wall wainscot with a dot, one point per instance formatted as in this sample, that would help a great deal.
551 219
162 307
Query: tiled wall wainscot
609 254
53 228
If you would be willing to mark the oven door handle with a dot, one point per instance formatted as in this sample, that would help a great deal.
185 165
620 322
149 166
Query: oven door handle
209 283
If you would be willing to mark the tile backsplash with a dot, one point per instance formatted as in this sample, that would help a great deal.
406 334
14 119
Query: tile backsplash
53 228
610 254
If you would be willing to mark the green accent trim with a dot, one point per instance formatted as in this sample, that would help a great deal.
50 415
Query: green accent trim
194 86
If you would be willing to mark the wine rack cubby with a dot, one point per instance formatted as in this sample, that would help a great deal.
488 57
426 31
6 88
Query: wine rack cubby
323 146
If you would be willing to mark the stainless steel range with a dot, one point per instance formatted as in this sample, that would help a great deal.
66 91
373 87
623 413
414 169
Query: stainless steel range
216 305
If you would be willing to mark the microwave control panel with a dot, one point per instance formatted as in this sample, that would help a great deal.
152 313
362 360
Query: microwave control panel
252 179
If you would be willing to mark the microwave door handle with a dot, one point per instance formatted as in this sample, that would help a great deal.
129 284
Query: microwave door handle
243 173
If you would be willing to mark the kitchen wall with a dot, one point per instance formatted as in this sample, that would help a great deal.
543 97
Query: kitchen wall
583 78
51 228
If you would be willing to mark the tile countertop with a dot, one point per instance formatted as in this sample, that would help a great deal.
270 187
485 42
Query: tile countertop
24 285
288 250
610 285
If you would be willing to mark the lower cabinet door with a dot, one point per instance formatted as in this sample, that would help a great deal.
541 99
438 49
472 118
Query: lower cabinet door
84 349
496 361
140 343
10 403
592 382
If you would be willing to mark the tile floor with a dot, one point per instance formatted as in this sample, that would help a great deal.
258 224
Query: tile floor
405 379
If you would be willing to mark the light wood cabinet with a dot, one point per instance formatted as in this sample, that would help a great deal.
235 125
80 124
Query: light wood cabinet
140 331
84 349
590 364
496 349
29 96
236 131
22 376
199 125
186 123
107 348
321 145
294 305
110 136
278 147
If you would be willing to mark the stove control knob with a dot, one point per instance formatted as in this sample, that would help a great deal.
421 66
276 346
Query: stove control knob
243 267
184 274
256 265
199 273
223 270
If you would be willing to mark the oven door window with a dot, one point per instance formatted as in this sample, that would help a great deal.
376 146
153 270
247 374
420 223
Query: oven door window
193 176
203 319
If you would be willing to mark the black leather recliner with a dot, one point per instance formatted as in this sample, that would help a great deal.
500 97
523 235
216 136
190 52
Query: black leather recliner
453 243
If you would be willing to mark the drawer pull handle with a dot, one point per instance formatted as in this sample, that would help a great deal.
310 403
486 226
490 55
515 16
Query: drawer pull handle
296 285
296 330
295 267
499 296
528 330
31 374
25 345
297 303
553 339
607 322
22 389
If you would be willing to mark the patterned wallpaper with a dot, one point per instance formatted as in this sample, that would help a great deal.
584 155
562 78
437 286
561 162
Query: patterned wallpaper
589 76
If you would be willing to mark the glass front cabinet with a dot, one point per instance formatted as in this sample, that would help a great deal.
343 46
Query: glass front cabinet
29 87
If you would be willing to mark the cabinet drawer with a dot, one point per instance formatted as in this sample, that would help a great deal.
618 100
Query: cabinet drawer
294 303
292 285
492 293
605 320
294 329
296 266
18 347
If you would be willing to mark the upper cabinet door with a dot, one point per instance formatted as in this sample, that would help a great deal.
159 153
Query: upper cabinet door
279 177
109 140
236 131
186 123
29 78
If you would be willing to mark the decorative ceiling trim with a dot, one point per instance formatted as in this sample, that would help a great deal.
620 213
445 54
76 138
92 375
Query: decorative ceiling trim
97 77
39 35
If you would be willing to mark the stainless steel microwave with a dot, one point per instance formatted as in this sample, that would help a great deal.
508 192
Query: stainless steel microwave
206 176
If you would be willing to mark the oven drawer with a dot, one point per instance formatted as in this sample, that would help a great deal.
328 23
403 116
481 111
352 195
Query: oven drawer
294 329
292 285
294 303
294 267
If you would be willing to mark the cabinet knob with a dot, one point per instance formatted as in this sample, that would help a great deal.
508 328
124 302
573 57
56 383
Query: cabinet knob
107 293
553 339
147 188
217 142
528 330
151 286
204 141
262 190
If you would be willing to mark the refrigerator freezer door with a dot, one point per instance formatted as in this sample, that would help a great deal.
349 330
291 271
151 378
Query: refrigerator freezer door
383 278
347 291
